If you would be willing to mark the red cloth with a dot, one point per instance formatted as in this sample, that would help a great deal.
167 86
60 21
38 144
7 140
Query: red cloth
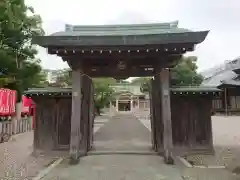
26 104
7 102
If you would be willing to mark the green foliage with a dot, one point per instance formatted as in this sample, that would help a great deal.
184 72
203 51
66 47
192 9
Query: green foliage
17 55
184 74
103 92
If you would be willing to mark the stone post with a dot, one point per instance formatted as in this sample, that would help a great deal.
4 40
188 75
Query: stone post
117 105
131 104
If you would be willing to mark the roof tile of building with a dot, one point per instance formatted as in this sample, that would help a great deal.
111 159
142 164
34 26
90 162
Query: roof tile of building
122 35
124 29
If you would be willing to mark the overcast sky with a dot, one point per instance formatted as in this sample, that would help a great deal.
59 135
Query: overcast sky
221 17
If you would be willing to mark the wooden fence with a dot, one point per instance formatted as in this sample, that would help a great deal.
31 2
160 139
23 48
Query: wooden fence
16 126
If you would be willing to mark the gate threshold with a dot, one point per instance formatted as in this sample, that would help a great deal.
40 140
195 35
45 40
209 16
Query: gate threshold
122 153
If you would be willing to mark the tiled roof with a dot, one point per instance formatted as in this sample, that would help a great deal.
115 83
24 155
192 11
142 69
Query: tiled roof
216 80
116 35
230 82
196 89
124 29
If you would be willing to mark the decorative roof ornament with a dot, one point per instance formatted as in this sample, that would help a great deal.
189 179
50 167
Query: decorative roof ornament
174 24
121 65
68 27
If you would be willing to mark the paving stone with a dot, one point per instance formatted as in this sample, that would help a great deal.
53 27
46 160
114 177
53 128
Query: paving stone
127 136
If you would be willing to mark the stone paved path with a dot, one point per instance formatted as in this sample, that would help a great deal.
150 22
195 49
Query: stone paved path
123 133
99 122
122 152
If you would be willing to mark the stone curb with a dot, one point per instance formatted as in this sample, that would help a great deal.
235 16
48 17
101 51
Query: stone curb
45 171
187 164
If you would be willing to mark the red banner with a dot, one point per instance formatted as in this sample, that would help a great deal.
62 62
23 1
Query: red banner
8 103
26 104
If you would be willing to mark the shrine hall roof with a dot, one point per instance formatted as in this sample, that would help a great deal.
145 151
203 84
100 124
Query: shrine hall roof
229 83
125 34
195 89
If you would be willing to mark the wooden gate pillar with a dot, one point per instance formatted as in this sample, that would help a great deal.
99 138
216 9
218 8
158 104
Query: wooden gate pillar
90 121
166 115
156 90
85 115
76 135
152 116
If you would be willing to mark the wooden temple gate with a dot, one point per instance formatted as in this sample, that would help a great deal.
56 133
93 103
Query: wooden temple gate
118 51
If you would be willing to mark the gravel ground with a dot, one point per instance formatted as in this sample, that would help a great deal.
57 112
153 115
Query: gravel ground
16 161
226 138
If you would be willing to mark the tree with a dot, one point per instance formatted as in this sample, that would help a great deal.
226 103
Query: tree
103 92
184 74
18 24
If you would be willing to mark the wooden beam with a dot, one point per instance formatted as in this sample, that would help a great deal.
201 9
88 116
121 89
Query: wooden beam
120 74
108 71
102 50
76 135
115 58
116 54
